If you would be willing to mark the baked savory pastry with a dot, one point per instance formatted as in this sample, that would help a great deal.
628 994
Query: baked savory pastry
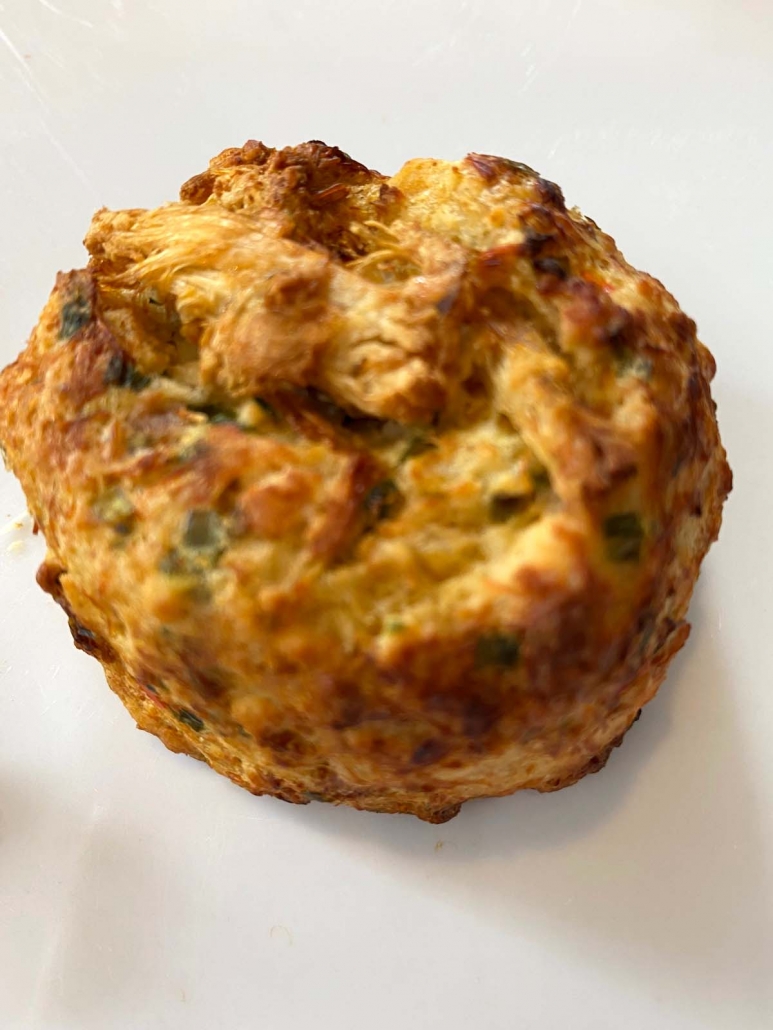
385 492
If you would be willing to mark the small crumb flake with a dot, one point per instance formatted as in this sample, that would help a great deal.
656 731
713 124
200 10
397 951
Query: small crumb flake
281 932
15 524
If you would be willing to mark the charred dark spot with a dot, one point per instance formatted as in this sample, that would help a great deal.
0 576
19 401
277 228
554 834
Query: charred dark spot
557 267
442 815
551 194
518 167
209 682
49 579
190 719
683 326
121 371
351 711
497 649
534 241
491 168
286 744
540 477
266 408
479 717
382 500
428 752
325 406
76 315
502 507
88 641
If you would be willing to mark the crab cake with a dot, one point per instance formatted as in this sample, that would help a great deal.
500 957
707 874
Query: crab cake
384 492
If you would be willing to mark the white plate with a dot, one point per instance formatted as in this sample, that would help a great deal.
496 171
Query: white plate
137 888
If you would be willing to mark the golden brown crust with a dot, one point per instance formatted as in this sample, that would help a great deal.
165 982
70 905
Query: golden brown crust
387 492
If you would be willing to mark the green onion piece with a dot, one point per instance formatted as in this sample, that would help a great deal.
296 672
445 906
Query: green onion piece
624 534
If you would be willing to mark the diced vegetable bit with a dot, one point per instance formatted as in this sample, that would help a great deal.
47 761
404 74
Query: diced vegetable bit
417 446
121 371
204 539
203 530
394 626
174 564
503 507
624 534
76 314
382 500
629 363
500 650
114 508
190 719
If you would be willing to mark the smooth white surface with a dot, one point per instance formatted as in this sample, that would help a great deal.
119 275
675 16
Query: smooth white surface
137 888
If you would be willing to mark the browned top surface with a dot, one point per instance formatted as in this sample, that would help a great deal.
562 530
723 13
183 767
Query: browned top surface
386 454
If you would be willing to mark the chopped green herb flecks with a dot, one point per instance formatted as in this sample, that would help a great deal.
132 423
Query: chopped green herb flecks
203 531
190 719
114 508
173 564
500 650
203 540
121 371
629 363
76 314
624 534
394 626
382 500
417 446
